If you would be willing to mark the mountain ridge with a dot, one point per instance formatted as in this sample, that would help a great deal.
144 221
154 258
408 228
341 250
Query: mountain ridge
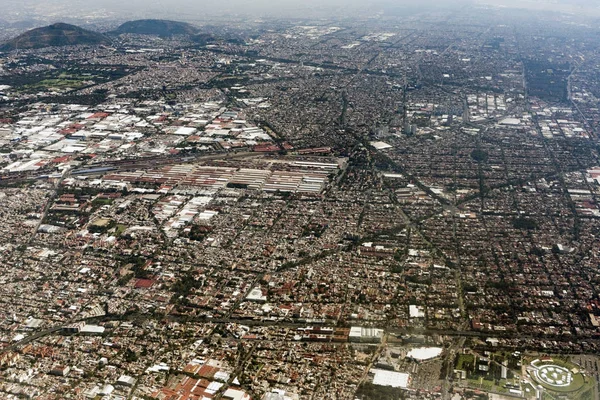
55 35
159 27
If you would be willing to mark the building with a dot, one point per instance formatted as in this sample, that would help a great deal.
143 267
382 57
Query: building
390 378
365 335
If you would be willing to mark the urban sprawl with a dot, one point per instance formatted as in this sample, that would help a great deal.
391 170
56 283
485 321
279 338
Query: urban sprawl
377 208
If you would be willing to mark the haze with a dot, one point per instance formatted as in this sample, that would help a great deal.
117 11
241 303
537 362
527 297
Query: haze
18 10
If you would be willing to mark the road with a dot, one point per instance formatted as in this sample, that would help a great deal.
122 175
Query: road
241 364
456 346
374 358
49 202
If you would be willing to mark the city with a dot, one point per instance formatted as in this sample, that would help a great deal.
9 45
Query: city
381 207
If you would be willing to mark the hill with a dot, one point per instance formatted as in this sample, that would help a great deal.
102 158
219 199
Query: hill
157 27
59 34
203 39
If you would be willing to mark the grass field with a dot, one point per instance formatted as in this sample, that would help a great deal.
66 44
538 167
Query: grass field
464 359
57 83
578 382
582 387
120 229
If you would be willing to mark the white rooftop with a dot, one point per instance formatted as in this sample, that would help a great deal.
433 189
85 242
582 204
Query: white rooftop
510 121
185 131
416 311
425 353
380 145
390 378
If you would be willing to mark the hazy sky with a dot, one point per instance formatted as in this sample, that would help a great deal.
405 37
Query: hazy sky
201 9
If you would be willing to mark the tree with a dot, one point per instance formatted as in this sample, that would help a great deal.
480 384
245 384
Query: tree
524 223
130 356
479 155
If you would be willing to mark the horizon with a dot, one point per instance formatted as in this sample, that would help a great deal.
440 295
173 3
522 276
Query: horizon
187 10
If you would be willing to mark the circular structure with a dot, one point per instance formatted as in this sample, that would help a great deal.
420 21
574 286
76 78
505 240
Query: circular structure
553 375
556 376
